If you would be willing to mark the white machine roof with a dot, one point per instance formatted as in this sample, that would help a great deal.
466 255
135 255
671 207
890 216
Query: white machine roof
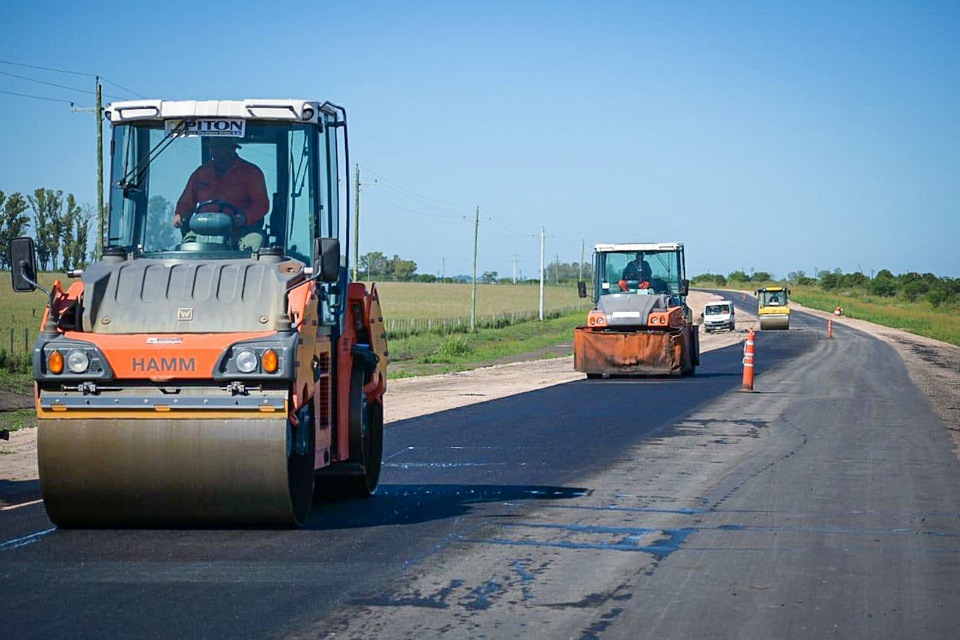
648 246
259 109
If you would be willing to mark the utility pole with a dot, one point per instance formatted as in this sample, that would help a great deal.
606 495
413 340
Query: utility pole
580 278
556 270
542 241
98 114
514 268
443 268
473 296
99 117
356 225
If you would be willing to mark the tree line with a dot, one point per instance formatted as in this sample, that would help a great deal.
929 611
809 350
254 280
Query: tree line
377 266
911 286
61 227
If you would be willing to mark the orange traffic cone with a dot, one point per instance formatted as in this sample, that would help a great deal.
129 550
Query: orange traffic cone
829 328
748 363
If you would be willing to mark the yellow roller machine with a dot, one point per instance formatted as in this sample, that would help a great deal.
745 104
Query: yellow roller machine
773 307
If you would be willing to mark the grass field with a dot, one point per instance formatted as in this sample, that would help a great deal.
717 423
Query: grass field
403 300
919 317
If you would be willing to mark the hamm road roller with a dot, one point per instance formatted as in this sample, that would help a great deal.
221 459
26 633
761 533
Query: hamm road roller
215 367
641 324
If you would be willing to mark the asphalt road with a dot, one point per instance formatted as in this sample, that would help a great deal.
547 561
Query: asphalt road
823 505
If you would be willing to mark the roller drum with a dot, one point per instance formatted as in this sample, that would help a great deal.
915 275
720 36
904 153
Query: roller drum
775 322
150 472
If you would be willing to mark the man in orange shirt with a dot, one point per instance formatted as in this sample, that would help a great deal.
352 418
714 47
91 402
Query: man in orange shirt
237 185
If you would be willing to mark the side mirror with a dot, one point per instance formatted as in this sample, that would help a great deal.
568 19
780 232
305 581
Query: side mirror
684 287
326 258
23 264
582 289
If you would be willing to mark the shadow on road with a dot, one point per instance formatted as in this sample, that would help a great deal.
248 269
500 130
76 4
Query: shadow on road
409 504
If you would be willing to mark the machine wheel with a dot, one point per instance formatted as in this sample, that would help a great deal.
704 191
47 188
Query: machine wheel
594 376
366 439
300 461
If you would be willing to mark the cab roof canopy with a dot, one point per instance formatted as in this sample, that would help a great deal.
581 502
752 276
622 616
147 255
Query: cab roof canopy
648 246
253 109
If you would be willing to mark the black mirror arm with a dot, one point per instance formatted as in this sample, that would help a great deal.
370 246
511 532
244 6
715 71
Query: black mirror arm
23 274
50 326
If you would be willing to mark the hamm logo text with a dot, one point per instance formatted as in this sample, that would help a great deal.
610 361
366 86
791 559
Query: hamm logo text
164 365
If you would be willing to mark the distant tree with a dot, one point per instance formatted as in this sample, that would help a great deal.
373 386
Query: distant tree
710 278
162 234
830 281
46 205
402 270
738 276
762 276
488 277
884 284
79 256
13 222
69 221
374 265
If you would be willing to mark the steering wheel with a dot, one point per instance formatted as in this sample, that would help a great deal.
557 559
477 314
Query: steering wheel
232 209
213 223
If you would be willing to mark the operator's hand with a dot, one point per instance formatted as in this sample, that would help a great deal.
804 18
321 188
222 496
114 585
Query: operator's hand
239 220
177 220
623 285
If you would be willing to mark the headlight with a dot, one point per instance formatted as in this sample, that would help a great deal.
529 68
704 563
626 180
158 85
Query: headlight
77 361
247 361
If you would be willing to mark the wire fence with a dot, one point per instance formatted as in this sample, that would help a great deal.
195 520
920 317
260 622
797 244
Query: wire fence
406 327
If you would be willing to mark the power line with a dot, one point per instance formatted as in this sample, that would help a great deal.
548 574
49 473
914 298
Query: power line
413 195
33 66
51 84
421 213
74 73
26 95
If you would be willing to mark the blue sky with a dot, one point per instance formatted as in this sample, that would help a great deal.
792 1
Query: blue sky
766 136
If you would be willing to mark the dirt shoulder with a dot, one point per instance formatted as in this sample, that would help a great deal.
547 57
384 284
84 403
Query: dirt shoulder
934 366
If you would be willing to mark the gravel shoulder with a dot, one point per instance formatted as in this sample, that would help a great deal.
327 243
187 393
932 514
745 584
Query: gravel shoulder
934 366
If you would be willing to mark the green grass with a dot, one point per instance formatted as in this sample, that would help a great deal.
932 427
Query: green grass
20 316
919 317
430 353
18 419
405 300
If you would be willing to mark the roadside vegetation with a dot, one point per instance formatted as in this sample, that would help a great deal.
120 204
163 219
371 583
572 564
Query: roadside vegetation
923 304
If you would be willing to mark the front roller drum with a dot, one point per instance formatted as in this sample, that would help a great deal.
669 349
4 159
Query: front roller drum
774 322
186 472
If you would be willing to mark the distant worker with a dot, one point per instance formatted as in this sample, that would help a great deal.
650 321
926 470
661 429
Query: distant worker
637 270
774 299
237 188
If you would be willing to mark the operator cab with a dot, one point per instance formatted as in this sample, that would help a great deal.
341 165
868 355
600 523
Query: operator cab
641 270
158 145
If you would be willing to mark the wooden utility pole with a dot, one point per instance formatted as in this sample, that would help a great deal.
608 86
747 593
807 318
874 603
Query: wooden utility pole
580 278
541 272
356 224
100 213
473 296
